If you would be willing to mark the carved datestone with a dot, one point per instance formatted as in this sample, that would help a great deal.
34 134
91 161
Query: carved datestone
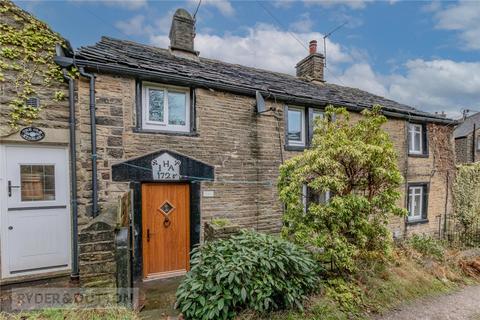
166 167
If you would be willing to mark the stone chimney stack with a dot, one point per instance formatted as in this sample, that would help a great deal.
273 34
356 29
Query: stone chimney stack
311 67
182 34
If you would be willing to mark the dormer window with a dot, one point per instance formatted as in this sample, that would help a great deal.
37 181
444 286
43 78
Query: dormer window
165 108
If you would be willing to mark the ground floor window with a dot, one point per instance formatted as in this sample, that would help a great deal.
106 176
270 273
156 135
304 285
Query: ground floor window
310 196
417 202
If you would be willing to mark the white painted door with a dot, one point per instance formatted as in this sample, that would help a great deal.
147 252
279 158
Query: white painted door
35 220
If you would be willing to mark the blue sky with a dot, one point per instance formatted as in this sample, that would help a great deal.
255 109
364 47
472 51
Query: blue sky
425 54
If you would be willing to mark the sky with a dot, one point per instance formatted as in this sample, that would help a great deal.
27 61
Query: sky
422 53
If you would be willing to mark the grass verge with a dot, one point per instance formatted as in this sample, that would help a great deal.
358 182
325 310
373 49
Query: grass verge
412 274
112 313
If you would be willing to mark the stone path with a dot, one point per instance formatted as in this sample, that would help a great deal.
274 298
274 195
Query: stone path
461 305
158 298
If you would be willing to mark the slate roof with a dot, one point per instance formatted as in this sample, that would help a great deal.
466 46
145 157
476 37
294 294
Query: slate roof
466 127
121 53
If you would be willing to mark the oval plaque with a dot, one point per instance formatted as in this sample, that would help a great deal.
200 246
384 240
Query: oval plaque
32 134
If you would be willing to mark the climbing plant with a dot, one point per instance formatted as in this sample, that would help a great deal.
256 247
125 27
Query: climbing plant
27 49
466 193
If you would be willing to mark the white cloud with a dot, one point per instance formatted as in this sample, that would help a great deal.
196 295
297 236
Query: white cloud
304 24
224 6
139 25
361 75
463 17
436 85
134 26
263 46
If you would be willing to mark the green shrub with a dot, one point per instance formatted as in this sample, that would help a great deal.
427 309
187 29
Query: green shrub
427 246
466 195
249 270
357 164
346 294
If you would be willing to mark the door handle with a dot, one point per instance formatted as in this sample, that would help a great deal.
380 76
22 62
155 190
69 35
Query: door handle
148 235
10 228
10 188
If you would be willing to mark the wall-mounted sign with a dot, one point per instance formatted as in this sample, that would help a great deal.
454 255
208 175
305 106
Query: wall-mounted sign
166 167
32 134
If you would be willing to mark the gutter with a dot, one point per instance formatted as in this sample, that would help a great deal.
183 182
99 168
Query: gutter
74 275
93 136
181 80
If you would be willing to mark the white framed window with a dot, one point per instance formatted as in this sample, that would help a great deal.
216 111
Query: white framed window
310 196
417 205
296 126
316 114
165 108
313 115
415 139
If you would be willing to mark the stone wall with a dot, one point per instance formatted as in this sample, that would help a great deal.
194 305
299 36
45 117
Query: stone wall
246 152
464 149
245 149
54 114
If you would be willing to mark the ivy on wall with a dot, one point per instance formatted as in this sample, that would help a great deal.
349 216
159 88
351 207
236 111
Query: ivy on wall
27 49
466 192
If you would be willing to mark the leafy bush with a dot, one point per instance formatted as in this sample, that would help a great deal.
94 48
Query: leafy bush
347 295
248 270
427 246
466 195
357 164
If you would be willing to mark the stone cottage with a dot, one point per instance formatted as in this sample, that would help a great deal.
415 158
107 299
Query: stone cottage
467 139
192 139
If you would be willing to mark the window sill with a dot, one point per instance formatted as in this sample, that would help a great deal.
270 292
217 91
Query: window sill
294 148
173 133
418 155
415 222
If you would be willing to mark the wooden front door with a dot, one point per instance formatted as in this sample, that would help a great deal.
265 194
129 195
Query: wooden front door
165 229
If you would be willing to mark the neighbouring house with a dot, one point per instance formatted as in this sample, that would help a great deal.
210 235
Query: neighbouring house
467 139
191 139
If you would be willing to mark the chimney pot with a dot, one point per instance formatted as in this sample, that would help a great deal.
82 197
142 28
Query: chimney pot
313 46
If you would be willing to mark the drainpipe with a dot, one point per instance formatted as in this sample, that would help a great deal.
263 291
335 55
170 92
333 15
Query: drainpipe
93 135
74 275
474 142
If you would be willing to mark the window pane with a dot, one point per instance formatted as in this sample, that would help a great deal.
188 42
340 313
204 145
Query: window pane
295 125
155 108
177 108
416 145
37 182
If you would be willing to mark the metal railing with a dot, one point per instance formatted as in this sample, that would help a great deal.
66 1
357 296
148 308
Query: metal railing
458 232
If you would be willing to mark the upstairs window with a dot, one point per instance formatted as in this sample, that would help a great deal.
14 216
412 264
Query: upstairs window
417 139
165 108
296 126
313 115
417 202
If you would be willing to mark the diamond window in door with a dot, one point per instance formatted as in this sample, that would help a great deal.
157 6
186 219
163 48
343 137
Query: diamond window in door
166 208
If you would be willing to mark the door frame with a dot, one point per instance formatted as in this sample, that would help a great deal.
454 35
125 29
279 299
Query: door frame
5 271
139 170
